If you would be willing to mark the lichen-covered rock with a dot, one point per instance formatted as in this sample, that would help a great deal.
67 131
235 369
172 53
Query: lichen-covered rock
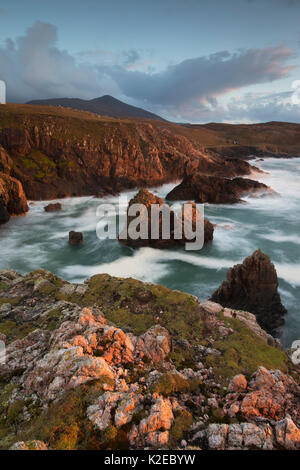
238 384
155 344
115 363
239 436
29 445
123 405
269 395
288 434
154 430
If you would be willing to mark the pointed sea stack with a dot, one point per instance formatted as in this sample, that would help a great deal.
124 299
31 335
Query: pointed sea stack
253 286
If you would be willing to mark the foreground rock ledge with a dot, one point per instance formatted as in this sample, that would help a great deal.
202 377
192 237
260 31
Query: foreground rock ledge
253 286
116 363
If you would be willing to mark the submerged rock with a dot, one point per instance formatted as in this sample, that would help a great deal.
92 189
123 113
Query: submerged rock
75 238
253 286
53 207
216 190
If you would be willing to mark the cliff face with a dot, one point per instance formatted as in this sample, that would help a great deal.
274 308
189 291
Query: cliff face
64 153
253 286
12 198
116 363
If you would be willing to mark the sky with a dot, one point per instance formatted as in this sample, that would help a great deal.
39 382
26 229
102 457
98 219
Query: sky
186 60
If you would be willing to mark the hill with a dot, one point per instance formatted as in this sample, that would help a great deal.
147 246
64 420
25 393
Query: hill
105 105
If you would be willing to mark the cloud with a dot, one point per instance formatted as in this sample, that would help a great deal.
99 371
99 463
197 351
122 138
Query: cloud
33 67
247 108
203 79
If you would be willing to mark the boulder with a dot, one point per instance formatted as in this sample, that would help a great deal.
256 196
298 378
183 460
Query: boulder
253 286
75 238
147 199
216 190
54 207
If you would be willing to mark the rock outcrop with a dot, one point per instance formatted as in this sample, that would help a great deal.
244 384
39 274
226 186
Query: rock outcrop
173 221
253 286
216 190
119 364
12 198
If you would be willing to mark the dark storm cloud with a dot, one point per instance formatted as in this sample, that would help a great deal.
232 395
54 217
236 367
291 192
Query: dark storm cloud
204 78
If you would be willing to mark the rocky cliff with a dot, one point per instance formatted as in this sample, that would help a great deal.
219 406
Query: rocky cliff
59 152
117 364
12 198
253 286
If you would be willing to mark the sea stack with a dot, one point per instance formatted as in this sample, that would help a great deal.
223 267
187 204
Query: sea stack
253 286
148 199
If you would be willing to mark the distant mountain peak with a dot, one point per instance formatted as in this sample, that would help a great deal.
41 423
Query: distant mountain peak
105 105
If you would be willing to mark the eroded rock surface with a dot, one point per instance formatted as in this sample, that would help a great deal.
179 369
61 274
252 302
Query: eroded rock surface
253 286
75 379
156 240
12 198
216 190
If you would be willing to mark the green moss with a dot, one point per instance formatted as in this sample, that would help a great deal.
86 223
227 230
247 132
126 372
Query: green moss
3 286
14 331
136 306
182 357
65 425
169 384
10 300
243 352
182 422
37 163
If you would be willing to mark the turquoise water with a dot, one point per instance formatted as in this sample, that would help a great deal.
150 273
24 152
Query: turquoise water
40 239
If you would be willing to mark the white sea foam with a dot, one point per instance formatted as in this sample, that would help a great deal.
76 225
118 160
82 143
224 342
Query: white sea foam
289 272
147 264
